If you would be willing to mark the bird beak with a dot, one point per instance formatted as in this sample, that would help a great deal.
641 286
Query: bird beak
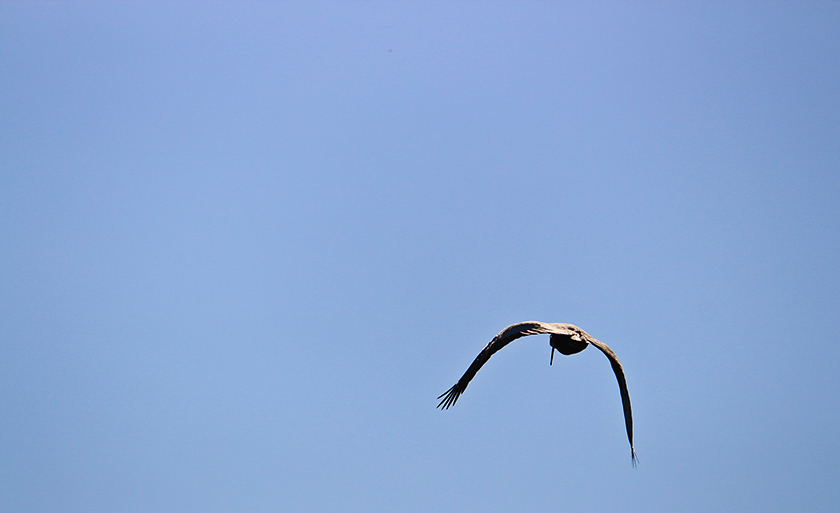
552 356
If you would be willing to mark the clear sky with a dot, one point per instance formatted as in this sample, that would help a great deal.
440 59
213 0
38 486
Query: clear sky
244 247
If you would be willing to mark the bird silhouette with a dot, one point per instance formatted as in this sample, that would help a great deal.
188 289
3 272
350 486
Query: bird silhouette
566 338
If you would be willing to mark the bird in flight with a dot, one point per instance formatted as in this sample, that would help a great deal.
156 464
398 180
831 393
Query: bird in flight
566 338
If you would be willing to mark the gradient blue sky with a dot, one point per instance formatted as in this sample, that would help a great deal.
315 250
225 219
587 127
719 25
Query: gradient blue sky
243 248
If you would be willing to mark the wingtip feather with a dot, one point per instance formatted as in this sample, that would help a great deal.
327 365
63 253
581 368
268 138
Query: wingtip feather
449 397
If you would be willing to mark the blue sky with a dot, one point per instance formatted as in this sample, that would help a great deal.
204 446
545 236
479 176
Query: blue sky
244 247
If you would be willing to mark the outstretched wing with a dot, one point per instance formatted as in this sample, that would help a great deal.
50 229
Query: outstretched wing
505 337
622 386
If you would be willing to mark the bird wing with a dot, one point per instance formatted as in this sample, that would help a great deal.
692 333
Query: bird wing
622 385
505 337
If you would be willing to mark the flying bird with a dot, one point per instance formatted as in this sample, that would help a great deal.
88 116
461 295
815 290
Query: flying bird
566 338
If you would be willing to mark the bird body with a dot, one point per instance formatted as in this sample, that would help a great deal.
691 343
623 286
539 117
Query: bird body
566 338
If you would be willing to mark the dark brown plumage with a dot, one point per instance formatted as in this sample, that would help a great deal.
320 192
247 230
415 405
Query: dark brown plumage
566 338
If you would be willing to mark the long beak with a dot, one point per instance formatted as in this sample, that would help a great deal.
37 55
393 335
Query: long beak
552 356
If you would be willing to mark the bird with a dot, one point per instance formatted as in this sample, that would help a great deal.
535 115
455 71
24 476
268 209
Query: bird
566 338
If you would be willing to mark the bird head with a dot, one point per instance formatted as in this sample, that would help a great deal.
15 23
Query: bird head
568 344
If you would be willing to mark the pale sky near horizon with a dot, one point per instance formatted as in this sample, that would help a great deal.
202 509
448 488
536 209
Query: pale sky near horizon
244 247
